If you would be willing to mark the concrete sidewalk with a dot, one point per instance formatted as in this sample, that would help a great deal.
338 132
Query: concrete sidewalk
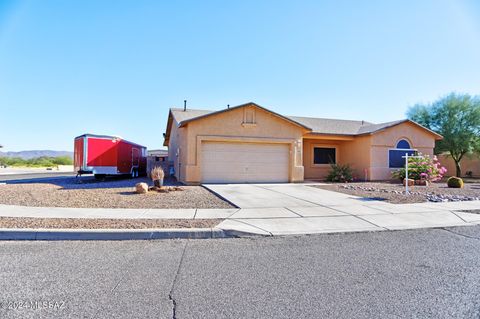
338 217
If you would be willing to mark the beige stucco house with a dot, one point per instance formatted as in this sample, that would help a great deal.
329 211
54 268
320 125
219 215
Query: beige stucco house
249 143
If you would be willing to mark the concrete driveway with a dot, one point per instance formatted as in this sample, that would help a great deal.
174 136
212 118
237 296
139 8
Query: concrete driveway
282 209
280 195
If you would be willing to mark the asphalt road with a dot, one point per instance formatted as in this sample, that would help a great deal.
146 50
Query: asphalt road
34 177
404 274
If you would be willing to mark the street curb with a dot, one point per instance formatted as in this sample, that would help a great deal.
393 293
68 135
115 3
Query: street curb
119 234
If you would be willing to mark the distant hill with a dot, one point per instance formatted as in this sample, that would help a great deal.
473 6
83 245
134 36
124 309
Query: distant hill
36 153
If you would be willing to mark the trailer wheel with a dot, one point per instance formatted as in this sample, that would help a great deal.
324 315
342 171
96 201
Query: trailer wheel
99 177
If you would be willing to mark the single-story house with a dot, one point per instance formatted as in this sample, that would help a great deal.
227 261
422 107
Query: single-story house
249 143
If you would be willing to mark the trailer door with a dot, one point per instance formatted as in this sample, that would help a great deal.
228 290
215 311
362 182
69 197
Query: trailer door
135 157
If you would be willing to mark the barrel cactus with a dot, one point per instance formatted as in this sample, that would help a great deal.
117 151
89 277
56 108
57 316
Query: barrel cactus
455 182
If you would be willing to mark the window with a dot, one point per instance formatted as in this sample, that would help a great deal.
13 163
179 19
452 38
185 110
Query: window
395 156
403 144
324 155
249 116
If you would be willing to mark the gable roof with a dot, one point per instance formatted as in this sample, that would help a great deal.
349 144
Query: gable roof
180 115
314 125
374 128
331 126
193 115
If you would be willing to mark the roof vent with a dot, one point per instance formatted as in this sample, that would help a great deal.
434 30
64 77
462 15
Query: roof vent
363 122
184 105
228 106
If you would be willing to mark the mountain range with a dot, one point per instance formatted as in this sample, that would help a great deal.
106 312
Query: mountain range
36 153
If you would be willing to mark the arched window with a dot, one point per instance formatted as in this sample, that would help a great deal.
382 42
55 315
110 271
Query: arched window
403 144
396 156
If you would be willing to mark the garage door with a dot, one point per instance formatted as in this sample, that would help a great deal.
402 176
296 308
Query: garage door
244 162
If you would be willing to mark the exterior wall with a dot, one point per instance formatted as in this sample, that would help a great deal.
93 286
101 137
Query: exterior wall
382 142
177 149
173 145
468 163
230 127
357 154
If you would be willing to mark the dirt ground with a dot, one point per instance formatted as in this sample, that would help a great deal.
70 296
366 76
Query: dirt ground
395 192
86 223
87 192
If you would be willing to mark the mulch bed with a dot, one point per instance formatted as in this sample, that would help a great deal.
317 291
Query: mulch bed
395 192
90 223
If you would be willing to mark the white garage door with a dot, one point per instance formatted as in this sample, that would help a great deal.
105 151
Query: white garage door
244 162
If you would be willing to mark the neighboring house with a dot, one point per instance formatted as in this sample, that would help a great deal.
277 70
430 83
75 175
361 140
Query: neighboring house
158 155
249 143
158 158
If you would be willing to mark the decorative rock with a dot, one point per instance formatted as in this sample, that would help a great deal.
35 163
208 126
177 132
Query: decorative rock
141 188
411 182
422 182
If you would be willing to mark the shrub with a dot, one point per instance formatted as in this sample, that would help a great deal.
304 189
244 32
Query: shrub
157 174
340 173
455 182
422 168
43 161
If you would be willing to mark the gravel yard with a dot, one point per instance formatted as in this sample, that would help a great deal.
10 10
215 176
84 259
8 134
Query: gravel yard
395 192
86 223
112 193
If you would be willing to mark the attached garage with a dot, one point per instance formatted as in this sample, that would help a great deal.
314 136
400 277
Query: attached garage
225 162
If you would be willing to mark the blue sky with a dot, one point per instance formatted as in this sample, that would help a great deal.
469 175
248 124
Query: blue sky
116 67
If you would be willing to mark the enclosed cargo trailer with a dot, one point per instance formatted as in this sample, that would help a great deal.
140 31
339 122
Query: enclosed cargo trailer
104 155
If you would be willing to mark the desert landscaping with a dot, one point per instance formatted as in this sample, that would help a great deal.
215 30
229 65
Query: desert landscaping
394 192
86 192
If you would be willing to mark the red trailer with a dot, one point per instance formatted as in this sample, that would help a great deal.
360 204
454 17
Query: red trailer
103 155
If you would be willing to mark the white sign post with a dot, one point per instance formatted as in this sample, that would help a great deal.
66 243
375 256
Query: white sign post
406 173
406 157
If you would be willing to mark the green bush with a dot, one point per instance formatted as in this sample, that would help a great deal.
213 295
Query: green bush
340 173
455 182
43 161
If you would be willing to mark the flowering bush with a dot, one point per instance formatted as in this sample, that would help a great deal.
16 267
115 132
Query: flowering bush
422 167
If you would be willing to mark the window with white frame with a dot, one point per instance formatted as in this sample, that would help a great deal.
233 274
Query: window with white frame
395 156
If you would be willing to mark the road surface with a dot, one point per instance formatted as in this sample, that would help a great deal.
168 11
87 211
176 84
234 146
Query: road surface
34 177
431 273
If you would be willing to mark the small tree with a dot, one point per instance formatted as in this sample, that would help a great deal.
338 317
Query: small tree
457 118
